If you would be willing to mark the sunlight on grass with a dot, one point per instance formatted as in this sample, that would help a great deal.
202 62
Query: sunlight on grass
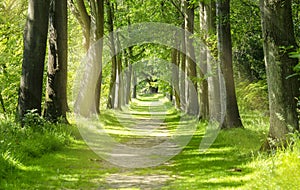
233 160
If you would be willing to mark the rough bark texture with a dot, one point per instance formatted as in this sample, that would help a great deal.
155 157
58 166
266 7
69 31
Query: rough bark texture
279 40
56 94
134 81
213 67
97 32
128 76
183 74
203 92
232 116
192 104
119 82
35 38
111 103
175 77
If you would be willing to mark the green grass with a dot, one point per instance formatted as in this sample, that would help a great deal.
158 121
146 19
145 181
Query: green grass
232 162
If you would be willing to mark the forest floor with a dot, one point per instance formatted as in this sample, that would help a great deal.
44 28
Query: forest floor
149 121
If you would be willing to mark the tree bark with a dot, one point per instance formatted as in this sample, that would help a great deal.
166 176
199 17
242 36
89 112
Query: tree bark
119 82
88 100
97 32
56 95
128 76
112 86
192 104
204 106
232 117
175 77
134 81
279 41
35 38
213 67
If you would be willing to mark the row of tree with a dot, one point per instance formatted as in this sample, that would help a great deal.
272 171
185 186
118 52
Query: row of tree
213 82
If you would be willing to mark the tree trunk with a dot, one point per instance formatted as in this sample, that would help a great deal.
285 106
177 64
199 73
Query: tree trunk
35 38
213 67
204 106
134 93
232 117
97 32
119 83
279 41
128 76
182 75
56 95
192 104
175 77
112 86
93 30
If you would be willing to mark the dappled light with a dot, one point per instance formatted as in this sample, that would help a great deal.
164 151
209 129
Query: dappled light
151 94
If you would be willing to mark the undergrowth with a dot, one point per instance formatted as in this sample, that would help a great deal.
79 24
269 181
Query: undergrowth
278 170
36 138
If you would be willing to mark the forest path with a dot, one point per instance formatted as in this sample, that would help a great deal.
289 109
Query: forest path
145 133
147 122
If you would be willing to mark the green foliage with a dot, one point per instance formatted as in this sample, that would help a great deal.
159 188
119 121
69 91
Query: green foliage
36 138
11 41
280 170
247 40
252 96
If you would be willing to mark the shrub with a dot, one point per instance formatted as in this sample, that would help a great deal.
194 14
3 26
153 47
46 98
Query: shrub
253 96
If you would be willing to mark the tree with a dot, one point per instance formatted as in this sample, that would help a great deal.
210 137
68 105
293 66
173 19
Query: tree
79 10
112 86
204 103
175 75
279 41
232 116
93 29
213 67
97 32
189 12
56 95
35 37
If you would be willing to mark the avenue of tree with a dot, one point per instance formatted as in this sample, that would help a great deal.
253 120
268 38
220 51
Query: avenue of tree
208 20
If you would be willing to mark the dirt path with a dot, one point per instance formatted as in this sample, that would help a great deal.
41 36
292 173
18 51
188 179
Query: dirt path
148 145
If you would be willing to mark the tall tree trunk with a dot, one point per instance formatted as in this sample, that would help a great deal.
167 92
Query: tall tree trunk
112 86
232 116
192 104
93 29
204 106
97 32
175 76
119 82
213 67
35 38
278 34
128 76
56 95
182 75
134 81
